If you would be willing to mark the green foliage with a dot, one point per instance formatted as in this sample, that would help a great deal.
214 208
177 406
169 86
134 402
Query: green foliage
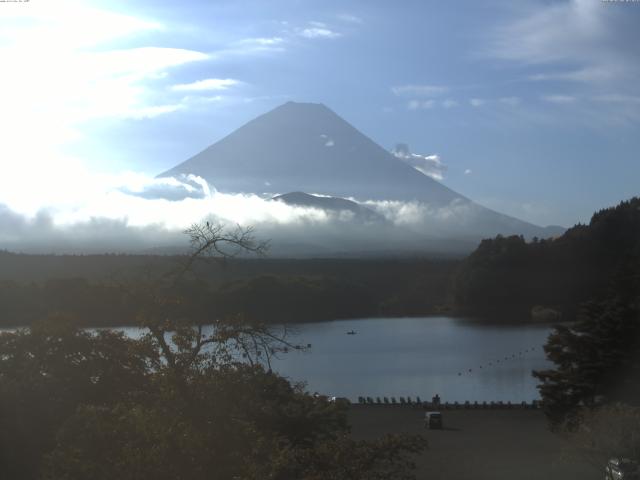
509 275
594 359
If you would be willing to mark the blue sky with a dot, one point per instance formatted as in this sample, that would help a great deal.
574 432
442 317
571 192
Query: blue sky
532 106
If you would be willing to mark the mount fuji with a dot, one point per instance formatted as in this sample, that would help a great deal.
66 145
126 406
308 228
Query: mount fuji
307 148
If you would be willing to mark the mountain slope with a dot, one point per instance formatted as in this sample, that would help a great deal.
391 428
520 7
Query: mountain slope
330 204
304 147
307 147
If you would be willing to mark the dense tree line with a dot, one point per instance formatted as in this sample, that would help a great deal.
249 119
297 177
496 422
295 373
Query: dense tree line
275 291
508 275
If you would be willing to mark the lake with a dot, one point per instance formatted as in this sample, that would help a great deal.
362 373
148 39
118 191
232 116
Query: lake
457 358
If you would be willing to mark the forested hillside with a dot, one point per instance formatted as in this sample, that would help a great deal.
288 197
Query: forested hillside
95 289
510 275
591 275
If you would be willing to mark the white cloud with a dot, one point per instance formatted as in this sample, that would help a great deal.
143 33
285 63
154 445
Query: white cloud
132 212
263 41
60 69
420 104
449 103
151 112
555 32
328 141
586 42
559 99
170 188
199 99
419 90
593 74
292 230
468 171
69 24
140 200
429 165
575 40
421 215
206 84
318 32
584 45
255 46
82 85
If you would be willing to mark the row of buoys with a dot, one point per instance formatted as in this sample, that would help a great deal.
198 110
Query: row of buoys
446 405
500 360
389 401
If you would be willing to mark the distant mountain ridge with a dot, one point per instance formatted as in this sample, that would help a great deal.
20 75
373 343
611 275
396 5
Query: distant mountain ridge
331 204
306 147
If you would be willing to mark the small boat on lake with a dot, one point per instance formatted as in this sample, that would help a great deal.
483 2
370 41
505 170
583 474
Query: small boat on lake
351 332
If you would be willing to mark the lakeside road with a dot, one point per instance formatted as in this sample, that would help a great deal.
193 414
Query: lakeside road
479 444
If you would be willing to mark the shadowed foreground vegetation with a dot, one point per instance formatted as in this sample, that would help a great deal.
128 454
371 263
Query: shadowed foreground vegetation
181 402
75 405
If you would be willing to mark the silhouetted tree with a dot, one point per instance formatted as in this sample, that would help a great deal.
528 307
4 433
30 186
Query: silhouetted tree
596 358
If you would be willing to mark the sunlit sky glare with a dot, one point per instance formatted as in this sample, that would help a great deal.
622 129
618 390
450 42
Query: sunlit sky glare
533 106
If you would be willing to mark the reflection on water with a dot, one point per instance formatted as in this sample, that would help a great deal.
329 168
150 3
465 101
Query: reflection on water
460 360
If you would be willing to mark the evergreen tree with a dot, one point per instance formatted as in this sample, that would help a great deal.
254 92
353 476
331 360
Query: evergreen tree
596 358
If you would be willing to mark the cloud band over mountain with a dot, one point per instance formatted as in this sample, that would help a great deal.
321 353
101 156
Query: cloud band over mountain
144 214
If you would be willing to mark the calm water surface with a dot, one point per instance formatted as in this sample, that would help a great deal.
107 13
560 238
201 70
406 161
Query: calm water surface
419 357
460 359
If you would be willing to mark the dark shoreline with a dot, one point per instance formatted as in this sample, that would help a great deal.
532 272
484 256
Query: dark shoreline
477 320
